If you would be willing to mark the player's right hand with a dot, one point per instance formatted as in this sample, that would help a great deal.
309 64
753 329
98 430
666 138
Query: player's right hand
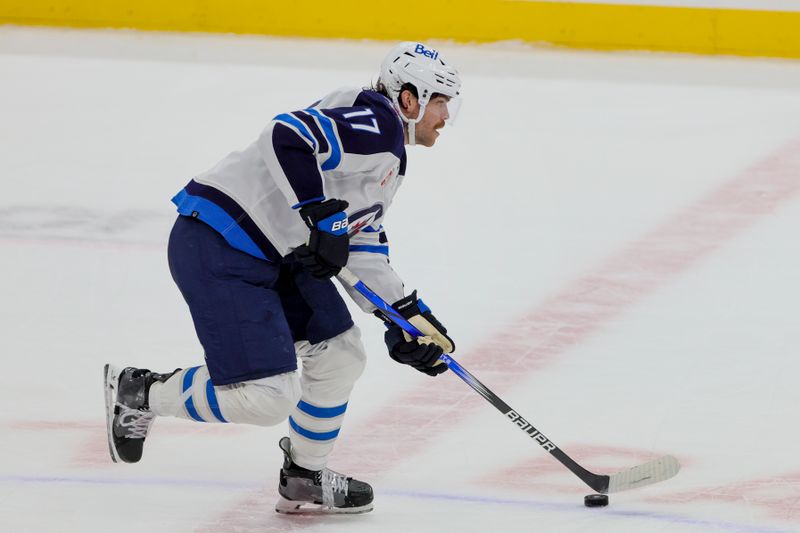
328 244
421 317
419 355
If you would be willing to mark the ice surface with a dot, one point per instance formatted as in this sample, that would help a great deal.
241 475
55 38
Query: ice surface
611 239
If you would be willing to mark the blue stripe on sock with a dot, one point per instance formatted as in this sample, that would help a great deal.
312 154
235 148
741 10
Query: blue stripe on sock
211 396
187 384
313 435
322 412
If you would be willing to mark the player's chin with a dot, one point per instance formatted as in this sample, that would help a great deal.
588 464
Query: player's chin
431 139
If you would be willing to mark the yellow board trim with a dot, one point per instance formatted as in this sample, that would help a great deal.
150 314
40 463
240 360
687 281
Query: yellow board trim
578 25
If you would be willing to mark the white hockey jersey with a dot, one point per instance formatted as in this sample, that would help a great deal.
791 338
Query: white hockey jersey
348 146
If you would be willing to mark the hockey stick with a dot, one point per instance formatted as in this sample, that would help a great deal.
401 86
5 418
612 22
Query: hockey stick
641 475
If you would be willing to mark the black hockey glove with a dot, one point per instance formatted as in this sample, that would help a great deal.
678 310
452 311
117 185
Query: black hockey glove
328 243
423 357
422 353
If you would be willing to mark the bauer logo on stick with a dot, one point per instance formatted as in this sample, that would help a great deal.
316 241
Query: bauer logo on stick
530 430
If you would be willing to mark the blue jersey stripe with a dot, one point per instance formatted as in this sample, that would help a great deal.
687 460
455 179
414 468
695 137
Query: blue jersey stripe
313 127
313 435
213 403
293 121
304 202
375 249
237 213
322 412
327 128
217 218
187 384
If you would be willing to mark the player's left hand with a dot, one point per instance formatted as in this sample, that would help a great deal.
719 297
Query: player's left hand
328 245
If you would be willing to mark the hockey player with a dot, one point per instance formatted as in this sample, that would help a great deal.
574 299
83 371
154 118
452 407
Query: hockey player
257 240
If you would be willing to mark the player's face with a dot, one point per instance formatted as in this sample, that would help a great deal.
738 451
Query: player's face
427 130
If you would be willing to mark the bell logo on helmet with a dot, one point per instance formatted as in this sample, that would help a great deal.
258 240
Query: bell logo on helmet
421 50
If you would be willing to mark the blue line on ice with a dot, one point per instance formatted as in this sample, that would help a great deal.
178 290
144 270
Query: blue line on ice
532 504
552 506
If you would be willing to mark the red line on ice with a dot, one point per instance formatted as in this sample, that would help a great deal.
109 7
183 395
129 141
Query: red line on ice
550 330
82 242
571 315
779 494
540 472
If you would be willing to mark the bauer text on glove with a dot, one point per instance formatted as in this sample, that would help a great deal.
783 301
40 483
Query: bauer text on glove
328 243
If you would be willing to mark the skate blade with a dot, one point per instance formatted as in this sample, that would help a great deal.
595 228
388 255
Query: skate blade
285 506
111 375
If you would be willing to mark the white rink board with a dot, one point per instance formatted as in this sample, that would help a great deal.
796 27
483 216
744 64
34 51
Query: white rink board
608 238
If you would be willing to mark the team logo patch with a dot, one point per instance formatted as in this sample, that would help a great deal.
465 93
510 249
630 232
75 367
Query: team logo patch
363 218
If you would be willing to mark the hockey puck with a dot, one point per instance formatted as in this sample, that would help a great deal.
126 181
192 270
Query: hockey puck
595 500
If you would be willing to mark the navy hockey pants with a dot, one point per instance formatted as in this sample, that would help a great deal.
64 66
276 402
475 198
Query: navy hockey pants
249 312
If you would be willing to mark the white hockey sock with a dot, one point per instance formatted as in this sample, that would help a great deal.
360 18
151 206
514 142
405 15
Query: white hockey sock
190 394
313 430
330 370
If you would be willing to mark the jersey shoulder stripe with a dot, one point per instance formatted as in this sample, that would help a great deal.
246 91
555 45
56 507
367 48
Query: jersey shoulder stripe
335 156
291 120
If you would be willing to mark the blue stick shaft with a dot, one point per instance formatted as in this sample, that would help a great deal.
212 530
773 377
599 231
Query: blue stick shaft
596 481
387 309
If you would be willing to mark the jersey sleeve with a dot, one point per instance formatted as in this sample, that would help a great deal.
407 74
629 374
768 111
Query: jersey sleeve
290 146
369 260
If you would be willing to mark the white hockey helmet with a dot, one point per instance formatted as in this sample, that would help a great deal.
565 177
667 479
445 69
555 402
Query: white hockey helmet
421 66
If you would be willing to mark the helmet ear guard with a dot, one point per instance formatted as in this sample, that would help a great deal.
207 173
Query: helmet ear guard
416 64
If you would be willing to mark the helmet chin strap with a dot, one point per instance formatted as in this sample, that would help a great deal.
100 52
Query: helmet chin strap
411 124
412 138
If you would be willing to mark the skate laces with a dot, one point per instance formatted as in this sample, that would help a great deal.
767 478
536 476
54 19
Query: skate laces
336 481
331 482
136 423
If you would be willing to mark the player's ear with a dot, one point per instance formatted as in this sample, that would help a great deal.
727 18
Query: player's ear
407 100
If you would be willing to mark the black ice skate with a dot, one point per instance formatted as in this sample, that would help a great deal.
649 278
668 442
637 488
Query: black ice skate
319 491
128 415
